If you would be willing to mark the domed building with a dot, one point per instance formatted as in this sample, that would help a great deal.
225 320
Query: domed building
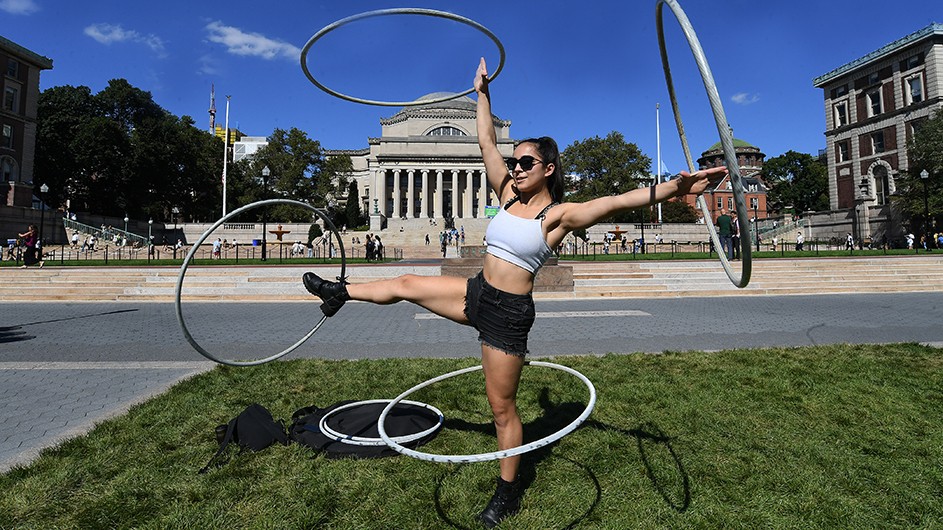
426 165
750 162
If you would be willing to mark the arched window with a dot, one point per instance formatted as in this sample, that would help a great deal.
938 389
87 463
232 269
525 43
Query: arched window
8 169
447 130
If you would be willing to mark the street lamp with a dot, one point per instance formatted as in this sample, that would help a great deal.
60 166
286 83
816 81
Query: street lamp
150 239
175 211
756 223
44 189
125 223
924 176
265 175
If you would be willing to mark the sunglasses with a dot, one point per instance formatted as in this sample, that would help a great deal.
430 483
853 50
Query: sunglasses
526 162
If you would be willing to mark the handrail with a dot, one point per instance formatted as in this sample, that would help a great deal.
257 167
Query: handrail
108 234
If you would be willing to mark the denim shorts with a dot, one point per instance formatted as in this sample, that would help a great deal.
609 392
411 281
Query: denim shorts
502 319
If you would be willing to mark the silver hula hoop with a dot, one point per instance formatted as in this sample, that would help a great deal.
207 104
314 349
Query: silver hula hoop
726 140
350 439
484 457
196 246
396 11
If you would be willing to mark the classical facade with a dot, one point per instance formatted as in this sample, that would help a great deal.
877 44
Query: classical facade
20 85
750 162
872 107
426 164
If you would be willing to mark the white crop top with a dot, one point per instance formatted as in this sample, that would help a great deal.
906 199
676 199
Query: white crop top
518 240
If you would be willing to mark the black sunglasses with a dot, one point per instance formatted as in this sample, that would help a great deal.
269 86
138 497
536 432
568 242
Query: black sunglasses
526 162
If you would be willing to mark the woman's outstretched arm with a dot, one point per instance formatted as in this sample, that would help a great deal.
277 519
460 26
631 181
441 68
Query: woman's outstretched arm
585 214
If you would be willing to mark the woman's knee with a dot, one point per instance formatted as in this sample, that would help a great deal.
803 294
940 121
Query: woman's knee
504 412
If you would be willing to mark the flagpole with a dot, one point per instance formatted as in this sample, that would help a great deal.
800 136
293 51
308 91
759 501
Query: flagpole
225 154
658 150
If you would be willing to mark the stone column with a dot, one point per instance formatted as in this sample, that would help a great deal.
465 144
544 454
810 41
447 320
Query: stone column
467 211
437 203
381 191
424 198
482 194
455 193
410 193
397 194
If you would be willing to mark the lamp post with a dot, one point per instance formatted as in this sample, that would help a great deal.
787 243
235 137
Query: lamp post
150 239
44 189
756 224
924 176
175 211
125 223
265 175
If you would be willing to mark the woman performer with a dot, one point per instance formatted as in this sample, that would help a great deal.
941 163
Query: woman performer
498 301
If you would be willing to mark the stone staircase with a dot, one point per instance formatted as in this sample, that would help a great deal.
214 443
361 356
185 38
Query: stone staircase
630 279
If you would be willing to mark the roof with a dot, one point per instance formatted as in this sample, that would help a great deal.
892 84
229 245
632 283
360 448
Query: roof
737 143
880 53
40 61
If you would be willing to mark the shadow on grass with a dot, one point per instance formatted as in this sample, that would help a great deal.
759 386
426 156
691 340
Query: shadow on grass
648 437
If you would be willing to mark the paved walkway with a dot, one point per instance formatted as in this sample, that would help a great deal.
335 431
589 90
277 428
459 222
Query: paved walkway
66 366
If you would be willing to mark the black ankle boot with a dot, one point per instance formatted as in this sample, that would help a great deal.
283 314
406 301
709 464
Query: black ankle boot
334 294
505 502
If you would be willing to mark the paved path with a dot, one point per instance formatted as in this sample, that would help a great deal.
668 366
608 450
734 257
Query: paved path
66 366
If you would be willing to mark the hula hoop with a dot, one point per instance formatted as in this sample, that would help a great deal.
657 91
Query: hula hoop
396 11
206 234
484 457
369 441
726 140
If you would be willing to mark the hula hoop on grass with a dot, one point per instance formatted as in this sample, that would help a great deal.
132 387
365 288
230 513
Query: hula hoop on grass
186 264
484 457
726 140
350 439
396 11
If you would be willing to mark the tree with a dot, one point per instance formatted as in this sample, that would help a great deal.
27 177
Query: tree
352 213
796 180
599 167
678 211
62 111
925 152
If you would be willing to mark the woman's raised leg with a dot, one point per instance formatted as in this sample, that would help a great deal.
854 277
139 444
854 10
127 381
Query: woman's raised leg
443 295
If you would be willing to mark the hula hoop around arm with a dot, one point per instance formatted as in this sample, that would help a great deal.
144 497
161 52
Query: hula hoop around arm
396 11
196 246
370 441
726 140
484 457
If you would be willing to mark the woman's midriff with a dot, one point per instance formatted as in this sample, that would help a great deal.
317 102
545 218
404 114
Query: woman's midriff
507 277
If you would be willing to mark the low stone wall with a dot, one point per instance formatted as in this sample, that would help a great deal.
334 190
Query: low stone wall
552 277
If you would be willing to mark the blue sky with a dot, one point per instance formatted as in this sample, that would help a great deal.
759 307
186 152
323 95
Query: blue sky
573 69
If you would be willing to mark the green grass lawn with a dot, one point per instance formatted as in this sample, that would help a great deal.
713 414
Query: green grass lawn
824 437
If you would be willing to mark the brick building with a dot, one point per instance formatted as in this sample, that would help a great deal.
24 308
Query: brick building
872 107
20 86
720 197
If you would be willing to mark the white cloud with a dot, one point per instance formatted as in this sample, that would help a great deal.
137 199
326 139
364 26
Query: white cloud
239 42
18 7
109 33
208 65
743 98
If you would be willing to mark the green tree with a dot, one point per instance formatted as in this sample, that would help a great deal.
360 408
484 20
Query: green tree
352 213
678 211
63 111
599 167
798 180
925 153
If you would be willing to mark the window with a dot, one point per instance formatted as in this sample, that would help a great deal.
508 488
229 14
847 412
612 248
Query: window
7 169
841 114
13 67
720 203
877 142
874 102
11 99
7 140
913 89
913 62
730 203
874 78
841 152
447 130
881 185
754 203
839 91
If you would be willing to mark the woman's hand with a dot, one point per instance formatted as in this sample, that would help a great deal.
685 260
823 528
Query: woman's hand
481 78
695 183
